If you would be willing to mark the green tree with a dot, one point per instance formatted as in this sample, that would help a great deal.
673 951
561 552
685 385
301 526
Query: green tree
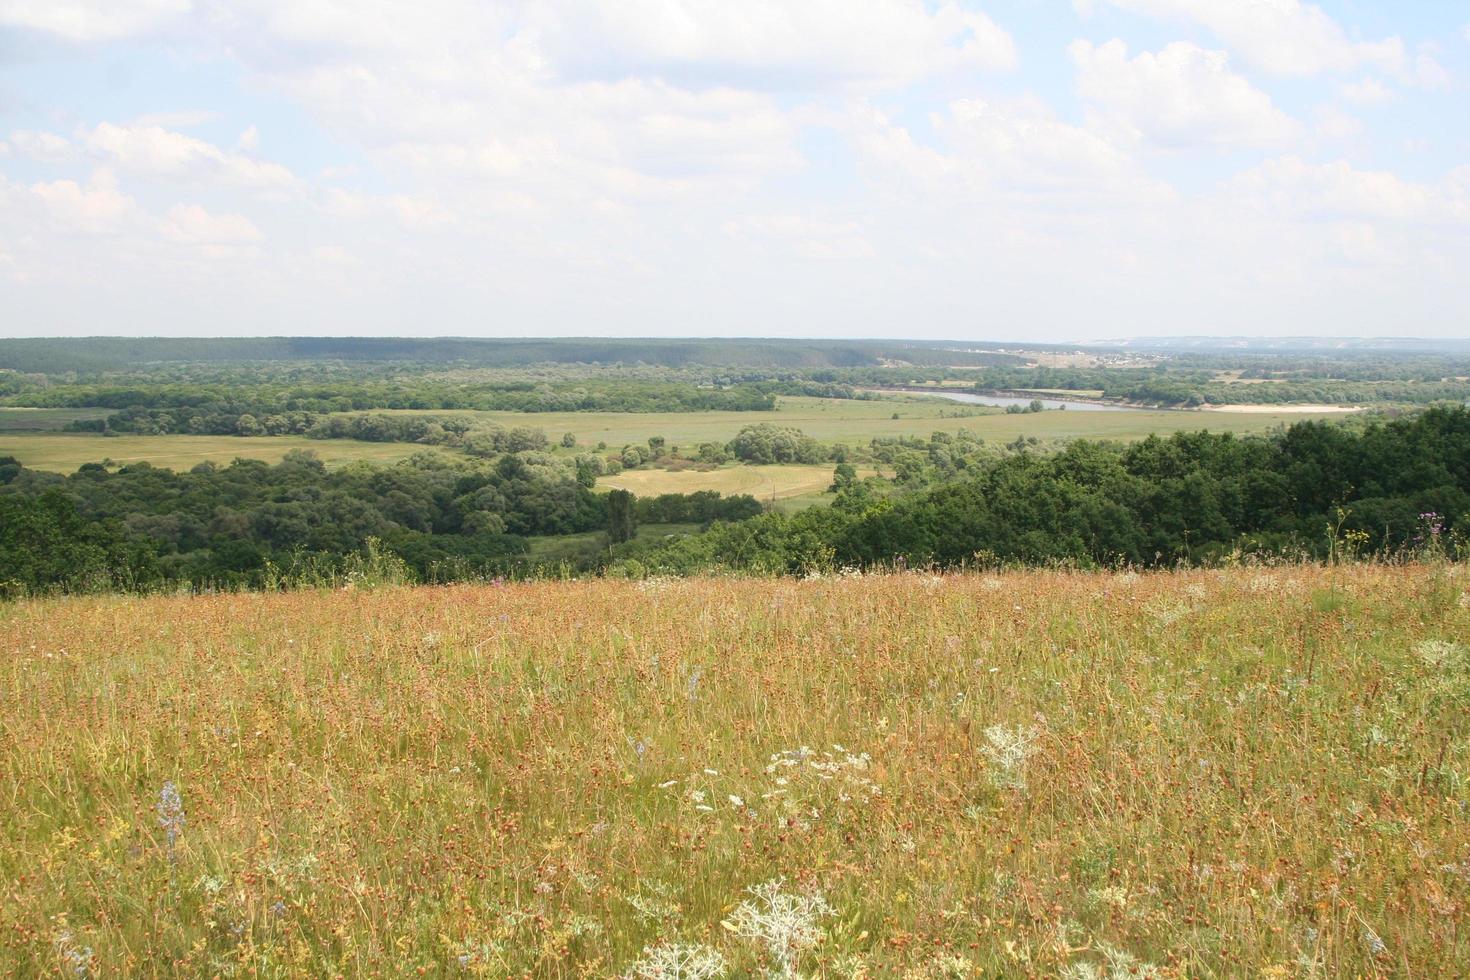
621 522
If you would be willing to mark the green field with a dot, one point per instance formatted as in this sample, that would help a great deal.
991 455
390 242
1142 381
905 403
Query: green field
856 422
762 482
63 452
829 420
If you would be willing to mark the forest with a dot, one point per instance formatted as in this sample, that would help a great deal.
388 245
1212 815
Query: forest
1311 491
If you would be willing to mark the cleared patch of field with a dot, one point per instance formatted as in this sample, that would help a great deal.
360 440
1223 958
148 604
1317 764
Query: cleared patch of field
1201 774
856 422
63 452
762 482
46 419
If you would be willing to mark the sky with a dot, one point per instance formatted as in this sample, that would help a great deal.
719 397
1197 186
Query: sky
1047 170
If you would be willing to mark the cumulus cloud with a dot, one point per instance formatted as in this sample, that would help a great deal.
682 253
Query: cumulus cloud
807 237
1281 37
759 43
1291 186
92 20
95 207
153 151
1367 91
191 224
42 146
1333 123
1180 97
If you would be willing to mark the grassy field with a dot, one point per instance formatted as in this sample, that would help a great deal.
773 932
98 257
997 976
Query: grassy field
1213 774
857 422
829 420
63 452
765 483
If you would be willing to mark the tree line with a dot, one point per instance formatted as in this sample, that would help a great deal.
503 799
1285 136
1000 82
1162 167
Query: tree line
1310 491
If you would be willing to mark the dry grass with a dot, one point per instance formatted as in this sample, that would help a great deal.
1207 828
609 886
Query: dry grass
63 452
762 482
1245 773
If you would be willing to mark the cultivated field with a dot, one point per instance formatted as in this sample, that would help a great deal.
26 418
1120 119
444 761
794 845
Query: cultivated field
63 452
762 482
858 422
1211 774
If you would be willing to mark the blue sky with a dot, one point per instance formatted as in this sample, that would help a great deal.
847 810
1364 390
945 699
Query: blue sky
1007 170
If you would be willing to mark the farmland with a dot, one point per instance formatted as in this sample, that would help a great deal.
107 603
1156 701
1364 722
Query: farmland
847 421
1216 773
856 422
762 482
63 452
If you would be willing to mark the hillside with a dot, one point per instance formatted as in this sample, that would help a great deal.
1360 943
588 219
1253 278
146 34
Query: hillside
1218 773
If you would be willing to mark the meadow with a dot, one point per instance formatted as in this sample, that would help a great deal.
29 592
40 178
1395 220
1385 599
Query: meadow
763 482
857 422
849 421
1246 772
64 452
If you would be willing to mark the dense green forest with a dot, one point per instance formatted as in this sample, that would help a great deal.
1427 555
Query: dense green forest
1309 491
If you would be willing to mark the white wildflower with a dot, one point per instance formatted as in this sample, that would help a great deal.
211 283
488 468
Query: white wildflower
786 923
677 961
1007 751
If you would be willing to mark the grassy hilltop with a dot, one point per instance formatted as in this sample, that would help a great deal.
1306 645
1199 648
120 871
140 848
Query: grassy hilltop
1220 773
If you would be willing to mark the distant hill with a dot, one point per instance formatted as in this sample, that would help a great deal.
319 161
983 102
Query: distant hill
1405 345
91 354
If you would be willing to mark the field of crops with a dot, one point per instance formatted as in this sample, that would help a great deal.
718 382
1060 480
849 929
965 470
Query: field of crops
765 483
857 422
1256 772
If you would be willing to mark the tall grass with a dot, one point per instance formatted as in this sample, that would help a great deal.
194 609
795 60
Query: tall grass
1214 773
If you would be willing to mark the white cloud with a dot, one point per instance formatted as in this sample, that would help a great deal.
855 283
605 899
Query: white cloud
177 119
1367 91
249 140
760 43
811 238
1290 186
1334 124
191 224
155 152
96 207
1182 96
42 146
92 20
1428 73
1282 37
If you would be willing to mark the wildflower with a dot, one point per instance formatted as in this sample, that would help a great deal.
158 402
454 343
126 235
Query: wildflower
735 800
677 961
78 959
785 923
1119 965
171 814
1007 750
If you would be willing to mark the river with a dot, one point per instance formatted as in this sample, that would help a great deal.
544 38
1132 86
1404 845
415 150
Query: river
1002 401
